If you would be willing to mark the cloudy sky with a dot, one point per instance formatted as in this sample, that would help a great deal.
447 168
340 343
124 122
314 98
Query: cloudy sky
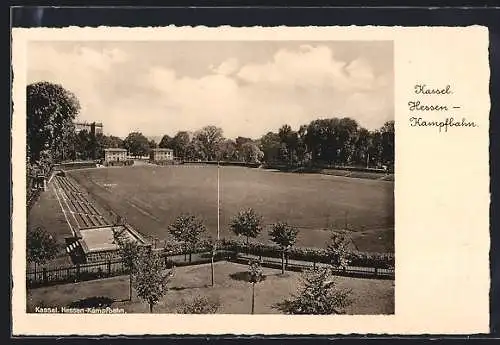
247 88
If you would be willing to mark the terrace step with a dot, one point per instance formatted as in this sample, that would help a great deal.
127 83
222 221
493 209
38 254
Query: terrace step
94 220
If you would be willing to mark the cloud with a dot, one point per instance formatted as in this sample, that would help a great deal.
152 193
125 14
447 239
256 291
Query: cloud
310 67
48 58
81 70
128 90
227 67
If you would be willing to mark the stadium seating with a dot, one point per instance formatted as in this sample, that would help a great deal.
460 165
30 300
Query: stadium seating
87 215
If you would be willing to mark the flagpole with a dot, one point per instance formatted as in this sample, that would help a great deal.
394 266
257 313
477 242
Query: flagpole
214 247
218 204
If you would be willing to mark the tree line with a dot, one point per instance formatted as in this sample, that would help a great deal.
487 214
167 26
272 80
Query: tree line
334 141
51 111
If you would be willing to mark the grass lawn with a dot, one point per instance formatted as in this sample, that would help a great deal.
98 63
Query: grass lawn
370 296
151 197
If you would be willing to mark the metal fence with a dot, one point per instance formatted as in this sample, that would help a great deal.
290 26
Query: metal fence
72 274
77 273
299 266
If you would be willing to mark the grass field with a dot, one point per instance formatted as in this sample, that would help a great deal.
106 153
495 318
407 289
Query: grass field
151 197
370 296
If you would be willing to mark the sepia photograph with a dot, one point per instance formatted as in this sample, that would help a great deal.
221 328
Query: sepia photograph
210 177
250 181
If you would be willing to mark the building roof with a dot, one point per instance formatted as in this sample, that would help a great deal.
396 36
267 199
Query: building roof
115 149
101 239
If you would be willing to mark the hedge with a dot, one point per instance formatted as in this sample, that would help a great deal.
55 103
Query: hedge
319 255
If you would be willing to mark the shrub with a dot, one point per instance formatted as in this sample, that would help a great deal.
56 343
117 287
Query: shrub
199 305
178 248
320 255
318 295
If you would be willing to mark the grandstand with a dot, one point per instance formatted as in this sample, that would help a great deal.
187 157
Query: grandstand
84 212
93 229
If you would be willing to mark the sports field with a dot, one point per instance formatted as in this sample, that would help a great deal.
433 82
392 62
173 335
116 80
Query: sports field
151 197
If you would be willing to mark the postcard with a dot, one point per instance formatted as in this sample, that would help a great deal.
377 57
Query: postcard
260 180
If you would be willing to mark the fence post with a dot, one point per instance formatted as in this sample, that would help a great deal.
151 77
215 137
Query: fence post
314 264
376 271
109 267
77 272
44 275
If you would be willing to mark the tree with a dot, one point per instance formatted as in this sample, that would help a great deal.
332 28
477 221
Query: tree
285 236
255 275
347 130
188 229
250 153
209 138
180 144
196 149
110 141
151 280
137 144
166 142
41 246
323 140
318 295
129 252
227 150
338 250
247 223
301 145
270 146
289 139
50 110
83 145
240 142
375 148
152 144
107 141
387 143
199 305
361 146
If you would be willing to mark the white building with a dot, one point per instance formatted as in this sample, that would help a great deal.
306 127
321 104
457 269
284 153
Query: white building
161 155
115 155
